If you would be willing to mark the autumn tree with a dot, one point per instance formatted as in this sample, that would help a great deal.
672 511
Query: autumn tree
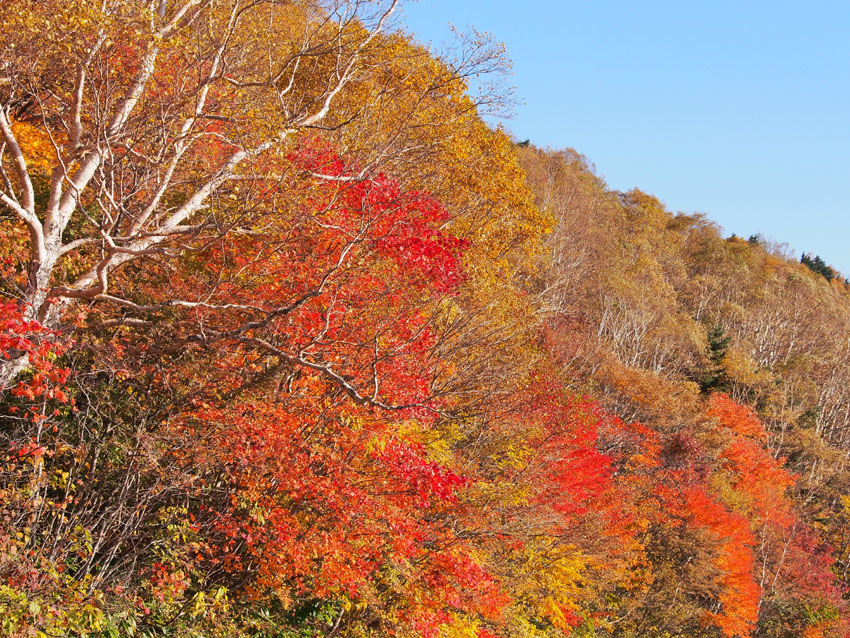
135 132
293 343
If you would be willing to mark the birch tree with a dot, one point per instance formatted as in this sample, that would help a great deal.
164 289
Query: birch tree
150 114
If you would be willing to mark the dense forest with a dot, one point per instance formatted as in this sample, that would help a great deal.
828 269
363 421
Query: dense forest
293 344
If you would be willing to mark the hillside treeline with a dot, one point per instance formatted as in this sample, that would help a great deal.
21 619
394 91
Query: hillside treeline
293 344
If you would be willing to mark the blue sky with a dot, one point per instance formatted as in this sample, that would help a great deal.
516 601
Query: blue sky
739 110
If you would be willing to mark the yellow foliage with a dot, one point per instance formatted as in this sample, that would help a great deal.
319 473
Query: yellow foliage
460 626
36 146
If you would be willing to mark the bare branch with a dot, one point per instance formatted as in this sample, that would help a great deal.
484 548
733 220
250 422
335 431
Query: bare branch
329 373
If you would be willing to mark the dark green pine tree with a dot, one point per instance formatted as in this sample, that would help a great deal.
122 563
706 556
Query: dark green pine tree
818 265
715 376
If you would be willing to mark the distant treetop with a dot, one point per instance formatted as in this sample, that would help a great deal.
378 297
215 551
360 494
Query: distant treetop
816 264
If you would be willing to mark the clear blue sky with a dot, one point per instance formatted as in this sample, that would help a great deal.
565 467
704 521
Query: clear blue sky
740 110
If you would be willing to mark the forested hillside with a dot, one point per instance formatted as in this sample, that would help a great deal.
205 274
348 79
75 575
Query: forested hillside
293 344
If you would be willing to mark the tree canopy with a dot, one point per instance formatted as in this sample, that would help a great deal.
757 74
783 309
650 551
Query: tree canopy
293 344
